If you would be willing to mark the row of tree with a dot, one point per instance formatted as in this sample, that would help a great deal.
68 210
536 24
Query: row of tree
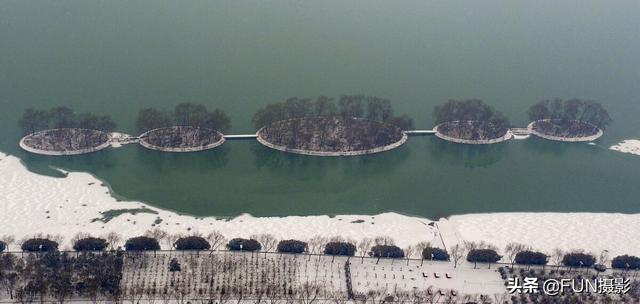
571 110
184 114
358 106
34 120
381 247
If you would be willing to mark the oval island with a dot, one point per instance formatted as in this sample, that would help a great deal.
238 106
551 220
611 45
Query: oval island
181 139
472 132
565 130
331 136
65 141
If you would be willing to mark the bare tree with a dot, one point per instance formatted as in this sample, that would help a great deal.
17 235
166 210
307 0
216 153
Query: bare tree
268 242
336 238
603 258
316 243
457 252
113 239
158 234
363 248
215 239
8 239
408 252
556 257
170 239
383 240
512 249
421 246
78 236
306 293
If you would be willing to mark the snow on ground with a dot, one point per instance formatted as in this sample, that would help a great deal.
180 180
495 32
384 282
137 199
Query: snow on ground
32 203
631 146
592 232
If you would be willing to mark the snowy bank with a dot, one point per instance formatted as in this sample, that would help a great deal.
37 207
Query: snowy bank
32 203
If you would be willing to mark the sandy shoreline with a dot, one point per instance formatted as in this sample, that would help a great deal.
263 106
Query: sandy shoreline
32 203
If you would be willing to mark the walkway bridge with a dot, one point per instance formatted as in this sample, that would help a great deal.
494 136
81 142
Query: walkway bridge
420 132
241 136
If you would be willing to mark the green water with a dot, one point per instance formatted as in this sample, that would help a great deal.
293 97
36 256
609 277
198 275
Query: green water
114 57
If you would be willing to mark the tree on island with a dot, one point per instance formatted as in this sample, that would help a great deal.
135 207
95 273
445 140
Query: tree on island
470 119
347 107
33 120
184 114
565 111
151 118
63 117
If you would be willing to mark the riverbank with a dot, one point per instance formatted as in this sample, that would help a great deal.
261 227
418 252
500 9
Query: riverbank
32 203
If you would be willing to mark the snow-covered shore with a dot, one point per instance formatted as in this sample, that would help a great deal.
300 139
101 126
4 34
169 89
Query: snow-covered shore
32 203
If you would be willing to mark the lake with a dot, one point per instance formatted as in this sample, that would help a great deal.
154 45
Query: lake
115 57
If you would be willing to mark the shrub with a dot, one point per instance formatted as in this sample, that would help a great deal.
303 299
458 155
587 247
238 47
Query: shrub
483 256
3 246
239 244
90 244
191 243
531 258
174 265
437 254
621 262
340 248
387 251
39 245
578 260
141 243
292 246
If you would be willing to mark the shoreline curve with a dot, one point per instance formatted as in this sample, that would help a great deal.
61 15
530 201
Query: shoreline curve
508 135
388 147
150 146
565 139
30 149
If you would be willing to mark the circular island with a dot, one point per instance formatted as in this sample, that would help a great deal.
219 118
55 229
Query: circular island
472 132
65 141
471 122
572 120
565 130
331 136
181 139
